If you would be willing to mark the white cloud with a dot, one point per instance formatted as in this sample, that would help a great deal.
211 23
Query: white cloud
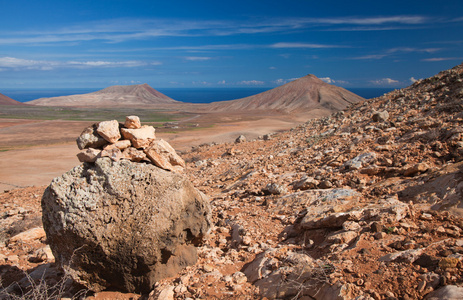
203 83
19 63
282 81
384 81
413 80
197 58
251 82
272 68
410 49
441 58
392 51
327 79
126 29
303 45
28 64
372 56
222 82
332 81
372 20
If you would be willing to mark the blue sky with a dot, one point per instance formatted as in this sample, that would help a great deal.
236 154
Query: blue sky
98 43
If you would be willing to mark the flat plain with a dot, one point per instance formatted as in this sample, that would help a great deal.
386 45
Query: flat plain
38 143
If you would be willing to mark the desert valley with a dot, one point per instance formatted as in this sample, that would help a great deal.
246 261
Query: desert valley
306 191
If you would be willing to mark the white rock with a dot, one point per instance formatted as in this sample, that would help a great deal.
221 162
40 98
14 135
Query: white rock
166 293
132 122
122 144
140 137
109 130
164 156
28 236
448 292
89 155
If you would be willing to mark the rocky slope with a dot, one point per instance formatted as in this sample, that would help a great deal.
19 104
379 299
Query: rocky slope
118 95
5 100
363 204
304 94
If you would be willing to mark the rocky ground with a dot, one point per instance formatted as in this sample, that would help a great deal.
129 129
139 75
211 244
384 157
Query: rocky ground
364 204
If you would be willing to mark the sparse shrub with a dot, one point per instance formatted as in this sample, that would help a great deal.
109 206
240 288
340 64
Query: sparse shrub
39 289
389 230
314 139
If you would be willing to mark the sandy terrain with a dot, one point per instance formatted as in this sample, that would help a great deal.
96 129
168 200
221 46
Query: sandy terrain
36 151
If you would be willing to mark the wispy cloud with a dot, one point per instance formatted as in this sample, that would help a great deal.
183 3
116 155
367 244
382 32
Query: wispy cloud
251 82
126 29
384 81
392 51
197 58
19 63
304 45
13 63
371 56
373 20
441 59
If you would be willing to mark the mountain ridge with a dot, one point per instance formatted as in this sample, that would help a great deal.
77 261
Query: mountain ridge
304 94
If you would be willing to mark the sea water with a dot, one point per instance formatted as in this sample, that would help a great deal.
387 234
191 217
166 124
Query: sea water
192 95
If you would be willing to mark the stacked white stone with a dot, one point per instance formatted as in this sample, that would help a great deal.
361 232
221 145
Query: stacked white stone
130 141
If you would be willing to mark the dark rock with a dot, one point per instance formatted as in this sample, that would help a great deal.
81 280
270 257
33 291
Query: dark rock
380 116
89 138
376 227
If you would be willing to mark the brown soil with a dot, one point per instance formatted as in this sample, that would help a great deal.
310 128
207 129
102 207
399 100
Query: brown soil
33 152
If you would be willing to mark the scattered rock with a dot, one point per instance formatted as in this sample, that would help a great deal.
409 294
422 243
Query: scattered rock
28 236
274 189
380 116
240 139
418 168
360 161
306 183
448 292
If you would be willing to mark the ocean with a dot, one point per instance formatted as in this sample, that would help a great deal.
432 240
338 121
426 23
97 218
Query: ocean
192 95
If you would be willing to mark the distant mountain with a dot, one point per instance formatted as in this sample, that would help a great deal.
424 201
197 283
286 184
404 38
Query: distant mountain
5 100
301 95
118 95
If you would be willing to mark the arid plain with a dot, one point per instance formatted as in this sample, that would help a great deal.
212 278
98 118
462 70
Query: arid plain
37 142
33 151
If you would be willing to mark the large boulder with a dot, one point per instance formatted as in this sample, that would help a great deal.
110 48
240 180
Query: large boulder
123 225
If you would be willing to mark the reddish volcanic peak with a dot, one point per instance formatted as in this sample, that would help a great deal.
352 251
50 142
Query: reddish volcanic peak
5 100
303 94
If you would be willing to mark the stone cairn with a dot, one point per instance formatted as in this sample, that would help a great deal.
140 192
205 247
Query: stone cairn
130 141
